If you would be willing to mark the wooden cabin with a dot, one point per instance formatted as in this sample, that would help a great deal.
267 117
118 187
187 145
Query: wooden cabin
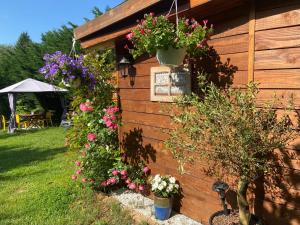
253 41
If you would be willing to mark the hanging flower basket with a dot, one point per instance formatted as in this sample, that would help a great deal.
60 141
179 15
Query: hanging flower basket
71 71
170 42
171 57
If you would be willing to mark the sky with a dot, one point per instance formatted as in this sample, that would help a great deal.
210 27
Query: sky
39 16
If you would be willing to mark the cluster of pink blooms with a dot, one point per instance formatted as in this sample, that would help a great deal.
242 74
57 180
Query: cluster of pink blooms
86 107
122 175
110 118
79 172
91 137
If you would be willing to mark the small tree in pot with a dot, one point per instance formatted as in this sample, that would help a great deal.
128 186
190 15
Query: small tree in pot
227 129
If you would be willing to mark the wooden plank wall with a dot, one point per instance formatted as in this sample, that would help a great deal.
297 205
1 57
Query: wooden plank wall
277 69
276 66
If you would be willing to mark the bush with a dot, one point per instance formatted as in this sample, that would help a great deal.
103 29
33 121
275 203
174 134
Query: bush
227 129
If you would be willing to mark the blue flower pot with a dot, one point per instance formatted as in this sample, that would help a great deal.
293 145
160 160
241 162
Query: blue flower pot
163 208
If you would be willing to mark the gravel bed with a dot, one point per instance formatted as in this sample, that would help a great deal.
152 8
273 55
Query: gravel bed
231 219
145 206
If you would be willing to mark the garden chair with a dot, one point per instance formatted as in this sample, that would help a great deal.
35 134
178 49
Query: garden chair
20 123
48 119
4 123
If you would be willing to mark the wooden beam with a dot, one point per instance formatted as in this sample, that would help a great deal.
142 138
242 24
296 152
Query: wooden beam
194 3
251 48
123 11
104 38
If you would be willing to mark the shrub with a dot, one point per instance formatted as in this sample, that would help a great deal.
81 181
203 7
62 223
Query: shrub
227 129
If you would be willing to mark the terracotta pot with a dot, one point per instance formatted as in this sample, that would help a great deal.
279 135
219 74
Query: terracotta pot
163 207
172 56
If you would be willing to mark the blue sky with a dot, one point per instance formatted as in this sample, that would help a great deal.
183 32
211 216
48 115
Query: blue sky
39 16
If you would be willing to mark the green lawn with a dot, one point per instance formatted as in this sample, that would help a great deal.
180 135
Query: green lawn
35 184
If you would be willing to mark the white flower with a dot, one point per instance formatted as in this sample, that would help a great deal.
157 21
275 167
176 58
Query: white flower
164 183
172 180
176 186
160 187
170 187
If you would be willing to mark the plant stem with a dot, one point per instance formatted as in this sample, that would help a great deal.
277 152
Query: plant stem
243 204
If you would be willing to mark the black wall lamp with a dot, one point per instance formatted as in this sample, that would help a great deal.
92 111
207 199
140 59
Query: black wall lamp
124 67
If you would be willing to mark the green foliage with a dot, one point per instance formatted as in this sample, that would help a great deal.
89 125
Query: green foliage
97 156
234 136
155 33
27 103
24 59
228 129
36 187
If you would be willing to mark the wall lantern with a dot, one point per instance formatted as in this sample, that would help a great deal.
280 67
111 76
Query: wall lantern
221 188
124 67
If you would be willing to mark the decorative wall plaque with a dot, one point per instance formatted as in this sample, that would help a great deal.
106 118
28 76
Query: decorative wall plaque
167 83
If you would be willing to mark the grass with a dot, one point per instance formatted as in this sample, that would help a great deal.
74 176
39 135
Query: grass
35 184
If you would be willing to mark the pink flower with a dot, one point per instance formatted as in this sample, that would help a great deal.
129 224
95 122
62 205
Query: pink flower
126 46
77 163
199 45
132 186
143 31
87 146
112 180
104 183
78 172
91 137
187 22
115 172
205 22
92 180
123 172
84 180
128 181
141 187
83 107
74 177
151 14
129 36
124 177
146 169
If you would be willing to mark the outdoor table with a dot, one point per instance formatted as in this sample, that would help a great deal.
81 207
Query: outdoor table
33 120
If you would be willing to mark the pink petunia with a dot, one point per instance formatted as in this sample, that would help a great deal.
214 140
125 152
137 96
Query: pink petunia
84 180
87 146
115 172
77 163
129 36
78 172
205 22
151 14
146 169
74 177
126 46
124 177
91 137
132 186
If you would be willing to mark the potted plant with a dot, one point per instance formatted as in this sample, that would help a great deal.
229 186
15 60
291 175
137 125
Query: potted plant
228 131
164 189
71 72
170 43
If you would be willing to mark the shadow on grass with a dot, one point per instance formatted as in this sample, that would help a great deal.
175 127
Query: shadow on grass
12 157
5 135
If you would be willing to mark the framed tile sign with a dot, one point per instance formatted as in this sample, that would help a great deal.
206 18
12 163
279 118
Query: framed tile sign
168 83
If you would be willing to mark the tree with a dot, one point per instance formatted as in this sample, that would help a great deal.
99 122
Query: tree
227 129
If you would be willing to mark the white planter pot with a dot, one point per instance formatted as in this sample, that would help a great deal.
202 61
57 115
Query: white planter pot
171 57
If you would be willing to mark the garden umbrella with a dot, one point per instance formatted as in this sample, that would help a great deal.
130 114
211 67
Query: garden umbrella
28 86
